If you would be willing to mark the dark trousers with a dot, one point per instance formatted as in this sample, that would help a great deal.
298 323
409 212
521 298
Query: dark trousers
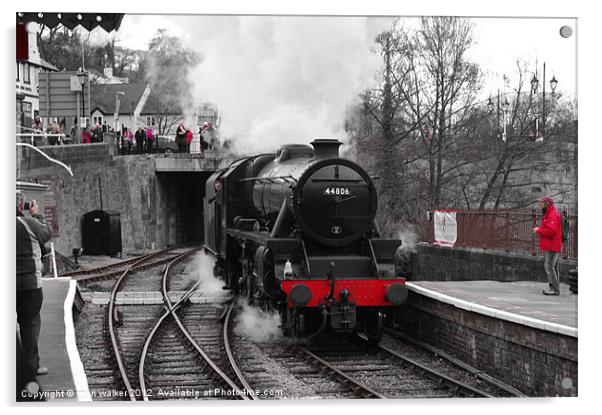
139 146
181 143
29 304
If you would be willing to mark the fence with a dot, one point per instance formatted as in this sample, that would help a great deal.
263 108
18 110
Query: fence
508 230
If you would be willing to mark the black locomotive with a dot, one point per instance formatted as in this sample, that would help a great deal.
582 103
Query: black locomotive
295 231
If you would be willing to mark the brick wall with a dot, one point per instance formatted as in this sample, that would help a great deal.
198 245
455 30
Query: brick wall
537 362
433 263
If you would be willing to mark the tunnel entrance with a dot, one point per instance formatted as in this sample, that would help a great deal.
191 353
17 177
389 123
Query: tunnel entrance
182 216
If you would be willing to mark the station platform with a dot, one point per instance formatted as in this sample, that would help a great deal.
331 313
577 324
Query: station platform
66 379
519 302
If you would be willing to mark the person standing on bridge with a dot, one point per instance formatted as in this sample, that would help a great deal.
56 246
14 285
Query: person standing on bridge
32 233
550 242
150 139
188 140
140 137
181 138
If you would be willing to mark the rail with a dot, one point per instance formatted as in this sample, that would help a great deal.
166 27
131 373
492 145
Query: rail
506 230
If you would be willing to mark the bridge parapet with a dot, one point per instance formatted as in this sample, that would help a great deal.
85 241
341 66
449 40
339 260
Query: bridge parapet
175 162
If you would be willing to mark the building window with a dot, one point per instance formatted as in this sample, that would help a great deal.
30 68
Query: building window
97 120
26 74
18 64
150 121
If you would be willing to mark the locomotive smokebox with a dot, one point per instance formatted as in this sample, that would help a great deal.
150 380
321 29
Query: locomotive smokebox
326 148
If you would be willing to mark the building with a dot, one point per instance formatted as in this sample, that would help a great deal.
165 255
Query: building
132 100
29 66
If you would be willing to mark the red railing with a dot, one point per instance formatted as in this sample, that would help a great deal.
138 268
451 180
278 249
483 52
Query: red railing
507 230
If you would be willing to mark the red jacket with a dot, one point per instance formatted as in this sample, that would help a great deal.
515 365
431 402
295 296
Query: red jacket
550 231
188 136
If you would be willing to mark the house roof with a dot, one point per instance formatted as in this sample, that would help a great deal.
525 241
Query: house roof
48 65
102 97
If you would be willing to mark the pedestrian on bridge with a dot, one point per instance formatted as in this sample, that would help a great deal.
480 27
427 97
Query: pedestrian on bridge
550 242
188 140
129 138
140 137
150 139
181 138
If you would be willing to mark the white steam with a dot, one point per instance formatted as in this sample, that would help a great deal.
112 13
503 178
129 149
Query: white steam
257 324
209 285
280 80
408 237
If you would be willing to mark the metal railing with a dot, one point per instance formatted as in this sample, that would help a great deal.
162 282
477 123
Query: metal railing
506 230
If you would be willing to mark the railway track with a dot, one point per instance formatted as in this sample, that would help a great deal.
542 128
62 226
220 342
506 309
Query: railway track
113 271
389 373
352 368
172 364
181 350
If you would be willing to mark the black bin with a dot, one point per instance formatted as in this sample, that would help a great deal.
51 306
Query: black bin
101 232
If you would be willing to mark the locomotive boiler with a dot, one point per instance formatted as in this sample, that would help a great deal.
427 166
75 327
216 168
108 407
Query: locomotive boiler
295 231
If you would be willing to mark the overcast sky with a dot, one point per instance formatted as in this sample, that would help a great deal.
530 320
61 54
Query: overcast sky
499 42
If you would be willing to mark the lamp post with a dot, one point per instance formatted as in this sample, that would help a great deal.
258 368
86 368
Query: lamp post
81 77
534 87
501 113
118 140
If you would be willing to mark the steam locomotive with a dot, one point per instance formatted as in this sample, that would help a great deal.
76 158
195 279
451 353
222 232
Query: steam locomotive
295 231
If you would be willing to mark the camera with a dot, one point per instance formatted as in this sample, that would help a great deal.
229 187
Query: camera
26 205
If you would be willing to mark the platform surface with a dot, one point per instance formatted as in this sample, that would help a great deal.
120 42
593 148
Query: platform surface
521 302
58 384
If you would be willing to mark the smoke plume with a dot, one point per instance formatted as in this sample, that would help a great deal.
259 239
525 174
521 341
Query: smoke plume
257 324
283 79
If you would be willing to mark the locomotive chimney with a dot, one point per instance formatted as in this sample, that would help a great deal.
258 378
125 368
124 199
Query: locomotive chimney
326 148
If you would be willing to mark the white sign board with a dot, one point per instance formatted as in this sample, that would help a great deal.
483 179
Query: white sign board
446 228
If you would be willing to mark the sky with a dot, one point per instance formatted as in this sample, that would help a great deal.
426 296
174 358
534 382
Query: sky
499 41
270 73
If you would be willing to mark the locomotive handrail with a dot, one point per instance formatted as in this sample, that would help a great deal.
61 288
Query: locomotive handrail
268 179
337 180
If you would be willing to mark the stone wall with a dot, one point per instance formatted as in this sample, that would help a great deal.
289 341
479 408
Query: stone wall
537 362
434 263
156 210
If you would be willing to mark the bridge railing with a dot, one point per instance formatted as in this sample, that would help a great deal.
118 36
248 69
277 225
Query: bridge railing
507 230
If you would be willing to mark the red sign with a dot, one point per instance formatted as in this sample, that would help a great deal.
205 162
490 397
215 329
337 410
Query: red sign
22 42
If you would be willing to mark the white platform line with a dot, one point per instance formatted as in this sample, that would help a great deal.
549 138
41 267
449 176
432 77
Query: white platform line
489 311
77 368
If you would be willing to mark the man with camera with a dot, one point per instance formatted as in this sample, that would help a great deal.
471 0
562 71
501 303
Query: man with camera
32 233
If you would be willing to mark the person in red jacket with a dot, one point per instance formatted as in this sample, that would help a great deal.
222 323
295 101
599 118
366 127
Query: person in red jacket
550 242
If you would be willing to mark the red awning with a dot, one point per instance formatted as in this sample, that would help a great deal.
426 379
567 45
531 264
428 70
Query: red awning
108 21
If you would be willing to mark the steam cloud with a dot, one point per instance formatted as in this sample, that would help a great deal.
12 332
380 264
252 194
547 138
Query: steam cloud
209 285
281 80
408 237
257 324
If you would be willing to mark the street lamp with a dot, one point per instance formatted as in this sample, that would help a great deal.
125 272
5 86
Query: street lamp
118 141
81 78
534 87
